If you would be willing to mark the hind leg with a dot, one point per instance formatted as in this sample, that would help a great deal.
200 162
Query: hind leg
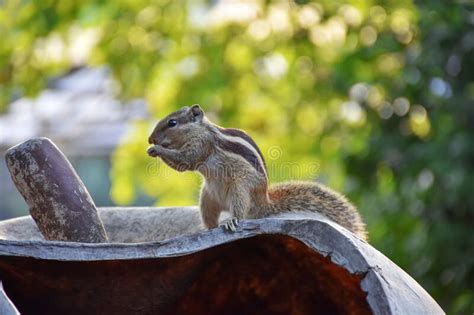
210 210
239 208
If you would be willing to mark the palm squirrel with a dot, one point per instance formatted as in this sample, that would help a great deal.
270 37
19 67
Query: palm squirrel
235 176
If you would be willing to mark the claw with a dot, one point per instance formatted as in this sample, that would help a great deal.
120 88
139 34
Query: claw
231 224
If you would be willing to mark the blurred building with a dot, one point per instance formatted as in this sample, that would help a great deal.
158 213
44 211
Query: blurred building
80 113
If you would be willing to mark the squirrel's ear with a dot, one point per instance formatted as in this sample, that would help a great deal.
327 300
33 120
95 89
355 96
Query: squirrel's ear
197 112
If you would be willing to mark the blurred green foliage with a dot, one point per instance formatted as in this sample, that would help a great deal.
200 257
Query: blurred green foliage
374 98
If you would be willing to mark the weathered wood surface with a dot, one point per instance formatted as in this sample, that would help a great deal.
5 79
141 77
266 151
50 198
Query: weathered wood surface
123 224
6 306
58 200
296 263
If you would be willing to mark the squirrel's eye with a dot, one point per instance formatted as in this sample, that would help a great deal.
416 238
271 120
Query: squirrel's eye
172 123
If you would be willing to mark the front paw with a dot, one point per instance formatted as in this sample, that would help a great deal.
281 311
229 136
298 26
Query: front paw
230 225
154 150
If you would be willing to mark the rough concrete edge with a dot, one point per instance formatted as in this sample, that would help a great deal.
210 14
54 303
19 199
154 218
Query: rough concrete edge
6 306
391 290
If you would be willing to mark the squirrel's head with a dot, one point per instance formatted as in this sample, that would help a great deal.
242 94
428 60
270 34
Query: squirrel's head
174 130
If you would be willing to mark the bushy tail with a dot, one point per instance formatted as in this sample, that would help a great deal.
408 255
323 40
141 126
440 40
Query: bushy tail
314 197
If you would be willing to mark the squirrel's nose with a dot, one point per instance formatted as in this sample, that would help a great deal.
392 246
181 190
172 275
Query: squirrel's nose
151 140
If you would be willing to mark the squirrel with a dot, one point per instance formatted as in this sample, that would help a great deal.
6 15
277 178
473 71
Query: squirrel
235 175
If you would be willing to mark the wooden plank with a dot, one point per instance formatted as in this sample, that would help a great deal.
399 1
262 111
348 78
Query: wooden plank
58 200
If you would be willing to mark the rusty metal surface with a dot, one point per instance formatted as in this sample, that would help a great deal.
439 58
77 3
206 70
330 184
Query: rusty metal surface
281 265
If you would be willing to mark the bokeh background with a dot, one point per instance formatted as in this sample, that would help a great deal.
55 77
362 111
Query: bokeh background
373 98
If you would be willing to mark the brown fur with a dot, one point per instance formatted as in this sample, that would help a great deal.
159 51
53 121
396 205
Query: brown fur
235 177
